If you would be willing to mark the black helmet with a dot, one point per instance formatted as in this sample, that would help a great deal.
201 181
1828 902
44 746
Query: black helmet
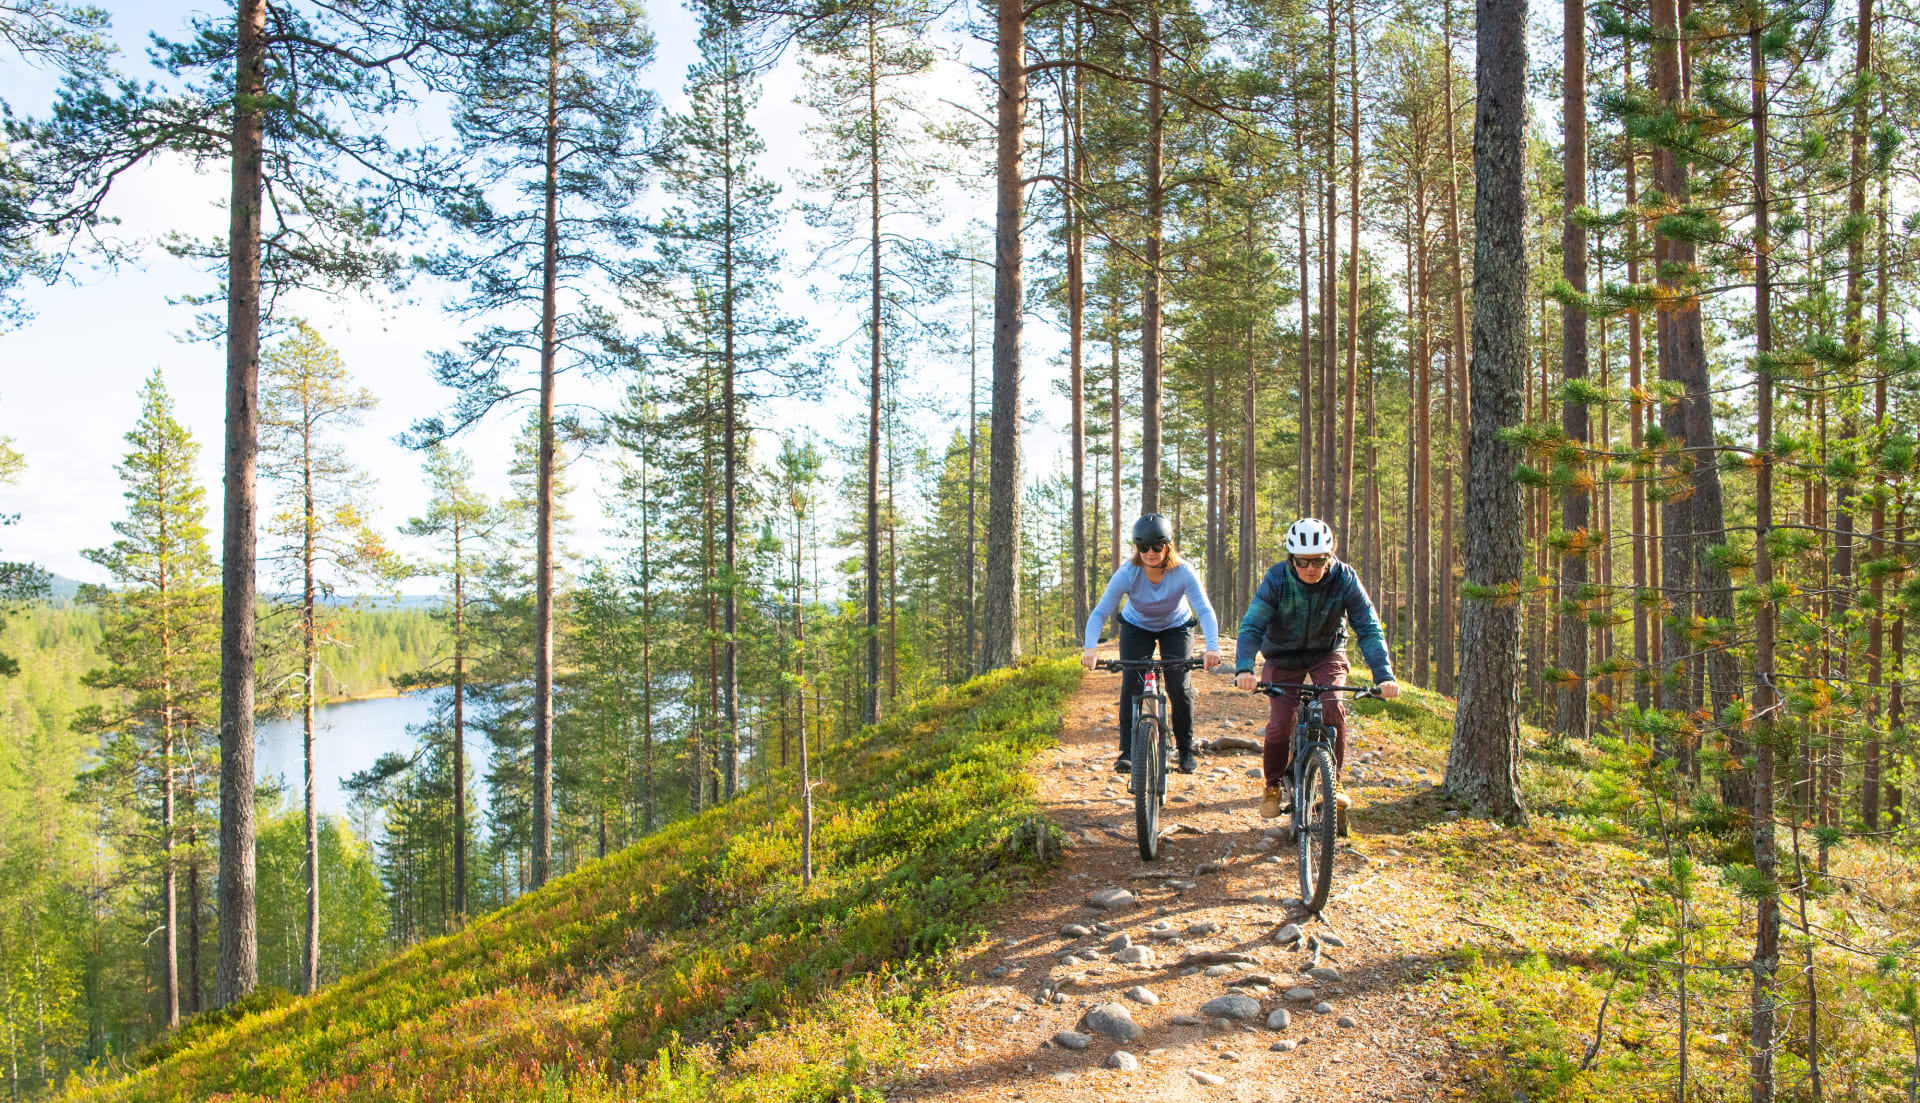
1152 529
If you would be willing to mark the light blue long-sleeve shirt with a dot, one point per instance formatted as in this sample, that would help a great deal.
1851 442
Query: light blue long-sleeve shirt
1177 598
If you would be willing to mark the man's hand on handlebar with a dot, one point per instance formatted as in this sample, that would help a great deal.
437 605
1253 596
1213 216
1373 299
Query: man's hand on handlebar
1388 690
1244 680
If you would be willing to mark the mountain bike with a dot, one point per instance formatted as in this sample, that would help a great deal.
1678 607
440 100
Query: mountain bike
1315 787
1147 749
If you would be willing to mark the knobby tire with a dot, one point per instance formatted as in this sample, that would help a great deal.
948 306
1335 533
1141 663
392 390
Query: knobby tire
1314 815
1149 781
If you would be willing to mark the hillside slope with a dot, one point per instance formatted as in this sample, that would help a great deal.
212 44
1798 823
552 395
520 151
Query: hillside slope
693 964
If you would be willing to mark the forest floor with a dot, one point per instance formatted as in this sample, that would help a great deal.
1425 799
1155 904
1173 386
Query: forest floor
1219 884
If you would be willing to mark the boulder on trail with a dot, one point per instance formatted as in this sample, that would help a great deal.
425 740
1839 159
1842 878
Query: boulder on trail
1111 899
1321 972
1216 957
1207 1078
1233 743
1068 1039
1113 1020
1074 930
1232 1006
1288 933
1140 994
1120 942
1122 1060
1280 1019
1134 955
1301 993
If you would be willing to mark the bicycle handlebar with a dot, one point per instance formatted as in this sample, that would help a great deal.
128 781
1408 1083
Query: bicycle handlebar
1120 666
1275 689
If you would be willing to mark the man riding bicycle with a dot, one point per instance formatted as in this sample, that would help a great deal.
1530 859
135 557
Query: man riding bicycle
1298 621
1165 599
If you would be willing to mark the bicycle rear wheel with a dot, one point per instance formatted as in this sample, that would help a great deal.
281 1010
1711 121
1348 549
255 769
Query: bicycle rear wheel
1149 776
1314 812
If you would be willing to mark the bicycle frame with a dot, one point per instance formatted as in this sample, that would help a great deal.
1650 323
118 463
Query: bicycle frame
1310 738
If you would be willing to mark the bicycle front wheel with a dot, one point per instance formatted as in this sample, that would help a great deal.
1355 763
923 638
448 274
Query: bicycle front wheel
1314 814
1149 778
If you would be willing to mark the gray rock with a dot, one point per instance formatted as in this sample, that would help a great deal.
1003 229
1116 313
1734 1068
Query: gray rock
1331 939
1290 902
1232 1006
1113 1020
1179 886
1284 1045
1205 868
999 971
1068 1039
1300 993
1191 970
1105 928
1223 1024
1198 930
1347 1020
1163 935
1280 1019
1120 942
1251 980
1321 972
1323 1008
1218 970
1110 899
1230 1055
1122 1060
1074 930
1256 773
1207 1078
1134 955
1059 997
1185 1020
1140 994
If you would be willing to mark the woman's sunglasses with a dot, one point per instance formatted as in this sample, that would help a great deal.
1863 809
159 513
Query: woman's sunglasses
1155 547
1313 561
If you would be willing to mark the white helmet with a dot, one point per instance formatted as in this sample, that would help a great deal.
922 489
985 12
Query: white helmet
1309 536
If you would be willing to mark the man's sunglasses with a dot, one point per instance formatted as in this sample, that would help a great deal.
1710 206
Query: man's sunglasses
1310 561
1156 546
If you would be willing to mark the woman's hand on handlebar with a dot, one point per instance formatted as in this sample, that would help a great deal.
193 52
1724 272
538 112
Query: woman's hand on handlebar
1087 657
1212 660
1244 680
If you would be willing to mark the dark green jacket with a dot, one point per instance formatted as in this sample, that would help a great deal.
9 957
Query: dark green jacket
1296 625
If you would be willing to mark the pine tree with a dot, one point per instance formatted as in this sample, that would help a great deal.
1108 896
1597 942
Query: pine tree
323 536
160 644
550 114
718 268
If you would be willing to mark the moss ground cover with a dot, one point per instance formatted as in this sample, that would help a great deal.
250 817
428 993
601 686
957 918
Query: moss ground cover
692 965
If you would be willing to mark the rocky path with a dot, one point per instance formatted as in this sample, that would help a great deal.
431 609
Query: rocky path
1197 976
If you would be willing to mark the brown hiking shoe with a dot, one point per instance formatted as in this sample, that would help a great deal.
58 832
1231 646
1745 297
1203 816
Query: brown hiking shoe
1270 803
1343 800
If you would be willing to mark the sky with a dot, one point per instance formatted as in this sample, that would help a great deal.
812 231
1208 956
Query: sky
70 379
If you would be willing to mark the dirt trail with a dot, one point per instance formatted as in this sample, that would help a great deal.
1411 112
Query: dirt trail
1216 868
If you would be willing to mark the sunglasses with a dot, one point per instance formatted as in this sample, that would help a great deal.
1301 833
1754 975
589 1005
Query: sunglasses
1304 562
1155 547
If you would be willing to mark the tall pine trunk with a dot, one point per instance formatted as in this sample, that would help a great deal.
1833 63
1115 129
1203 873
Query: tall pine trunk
309 668
1076 326
239 967
1150 307
1766 937
1001 638
1483 764
870 711
543 540
1575 499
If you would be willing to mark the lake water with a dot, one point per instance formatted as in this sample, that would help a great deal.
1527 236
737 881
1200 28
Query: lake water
347 737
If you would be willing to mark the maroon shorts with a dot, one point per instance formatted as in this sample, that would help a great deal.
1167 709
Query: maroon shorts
1282 710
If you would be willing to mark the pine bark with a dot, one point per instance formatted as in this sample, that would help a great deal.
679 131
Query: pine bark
1150 305
239 965
542 859
1483 764
1001 642
1575 501
870 710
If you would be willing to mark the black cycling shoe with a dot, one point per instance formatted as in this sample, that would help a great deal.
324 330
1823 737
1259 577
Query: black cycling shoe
1189 761
1123 765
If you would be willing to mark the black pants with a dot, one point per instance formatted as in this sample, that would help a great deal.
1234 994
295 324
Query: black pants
1174 643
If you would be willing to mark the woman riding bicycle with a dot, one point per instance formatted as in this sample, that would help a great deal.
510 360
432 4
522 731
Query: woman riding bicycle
1297 621
1164 601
